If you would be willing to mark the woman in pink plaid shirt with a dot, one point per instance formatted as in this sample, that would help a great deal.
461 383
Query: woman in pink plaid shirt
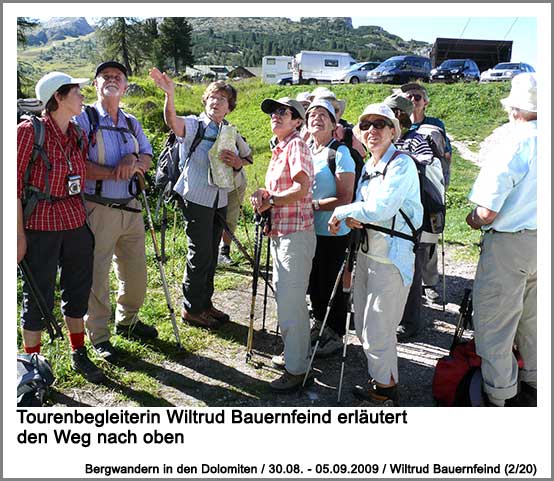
288 194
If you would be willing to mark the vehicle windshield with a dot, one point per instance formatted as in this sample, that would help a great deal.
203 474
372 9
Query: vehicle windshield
356 66
452 64
507 66
391 63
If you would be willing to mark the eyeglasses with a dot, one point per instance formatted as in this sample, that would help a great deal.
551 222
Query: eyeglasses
416 97
376 124
281 111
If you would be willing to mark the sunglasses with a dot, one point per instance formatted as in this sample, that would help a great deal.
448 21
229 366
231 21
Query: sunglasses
281 111
416 97
376 124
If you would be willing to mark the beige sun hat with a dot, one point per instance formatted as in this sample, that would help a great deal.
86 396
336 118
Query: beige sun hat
523 94
325 93
383 111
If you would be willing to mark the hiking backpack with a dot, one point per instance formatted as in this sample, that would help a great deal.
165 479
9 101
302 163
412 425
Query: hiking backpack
34 378
358 161
432 199
437 141
32 195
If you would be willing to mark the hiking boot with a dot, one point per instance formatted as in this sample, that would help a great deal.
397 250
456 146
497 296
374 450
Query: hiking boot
224 255
329 344
106 351
288 382
404 335
202 319
314 331
278 361
220 316
81 363
527 395
138 330
431 293
375 395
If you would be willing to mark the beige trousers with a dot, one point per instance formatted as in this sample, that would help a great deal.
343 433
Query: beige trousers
118 239
505 310
379 300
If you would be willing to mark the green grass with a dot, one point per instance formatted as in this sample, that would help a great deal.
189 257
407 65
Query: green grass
470 113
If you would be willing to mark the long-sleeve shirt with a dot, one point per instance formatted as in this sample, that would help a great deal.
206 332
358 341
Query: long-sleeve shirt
378 201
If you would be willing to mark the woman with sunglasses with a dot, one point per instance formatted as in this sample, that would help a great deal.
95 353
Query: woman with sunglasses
53 235
387 198
288 194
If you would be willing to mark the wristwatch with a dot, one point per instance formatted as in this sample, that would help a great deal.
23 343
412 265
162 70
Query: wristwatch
315 204
271 201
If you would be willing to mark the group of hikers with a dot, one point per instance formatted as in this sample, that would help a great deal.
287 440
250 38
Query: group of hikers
322 200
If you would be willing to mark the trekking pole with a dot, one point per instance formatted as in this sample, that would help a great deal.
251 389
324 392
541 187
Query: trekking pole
255 272
465 307
142 187
242 249
327 311
443 280
52 327
266 283
352 260
174 239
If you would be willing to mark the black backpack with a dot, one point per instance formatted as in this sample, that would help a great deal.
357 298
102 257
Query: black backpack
34 378
358 160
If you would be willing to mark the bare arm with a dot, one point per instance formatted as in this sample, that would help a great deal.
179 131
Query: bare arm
163 81
480 216
345 189
299 189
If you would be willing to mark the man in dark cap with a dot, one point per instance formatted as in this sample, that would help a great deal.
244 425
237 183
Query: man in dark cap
117 150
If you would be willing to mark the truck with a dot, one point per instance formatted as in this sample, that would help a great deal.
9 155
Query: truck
276 67
314 67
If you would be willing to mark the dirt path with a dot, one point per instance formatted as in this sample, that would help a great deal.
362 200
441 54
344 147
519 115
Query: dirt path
221 377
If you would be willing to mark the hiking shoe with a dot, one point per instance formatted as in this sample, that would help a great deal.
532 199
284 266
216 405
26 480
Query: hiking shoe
202 319
278 361
314 331
138 330
288 382
329 344
404 335
224 255
106 351
431 293
81 363
220 316
375 395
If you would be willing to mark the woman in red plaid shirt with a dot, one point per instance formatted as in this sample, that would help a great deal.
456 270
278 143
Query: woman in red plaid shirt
54 233
289 196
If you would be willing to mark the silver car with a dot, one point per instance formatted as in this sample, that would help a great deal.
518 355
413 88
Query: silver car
505 71
355 74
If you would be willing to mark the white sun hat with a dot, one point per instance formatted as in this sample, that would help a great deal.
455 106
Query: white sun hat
523 94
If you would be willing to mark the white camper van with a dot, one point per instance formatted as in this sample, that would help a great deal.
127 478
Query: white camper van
314 67
274 68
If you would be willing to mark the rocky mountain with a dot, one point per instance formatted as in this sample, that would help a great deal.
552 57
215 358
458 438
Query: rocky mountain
58 28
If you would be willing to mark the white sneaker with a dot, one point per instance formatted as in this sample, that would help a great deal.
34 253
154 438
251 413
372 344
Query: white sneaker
329 344
278 361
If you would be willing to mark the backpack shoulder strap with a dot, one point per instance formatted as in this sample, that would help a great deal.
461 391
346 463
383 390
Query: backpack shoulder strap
332 155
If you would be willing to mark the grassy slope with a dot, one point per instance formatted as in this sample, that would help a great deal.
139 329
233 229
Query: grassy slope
470 113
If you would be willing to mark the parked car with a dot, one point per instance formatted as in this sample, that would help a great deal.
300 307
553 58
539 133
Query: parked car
455 70
313 67
285 81
505 71
401 69
355 74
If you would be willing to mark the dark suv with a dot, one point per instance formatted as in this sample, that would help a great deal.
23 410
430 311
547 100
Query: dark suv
401 69
456 70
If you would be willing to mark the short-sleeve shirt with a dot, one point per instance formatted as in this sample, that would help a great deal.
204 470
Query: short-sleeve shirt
117 144
507 182
325 184
288 158
65 212
193 184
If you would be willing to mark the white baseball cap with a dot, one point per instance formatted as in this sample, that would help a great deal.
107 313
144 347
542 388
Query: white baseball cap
383 111
51 82
326 104
523 94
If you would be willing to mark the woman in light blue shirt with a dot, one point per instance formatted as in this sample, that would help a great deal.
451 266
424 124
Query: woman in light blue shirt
388 198
333 186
